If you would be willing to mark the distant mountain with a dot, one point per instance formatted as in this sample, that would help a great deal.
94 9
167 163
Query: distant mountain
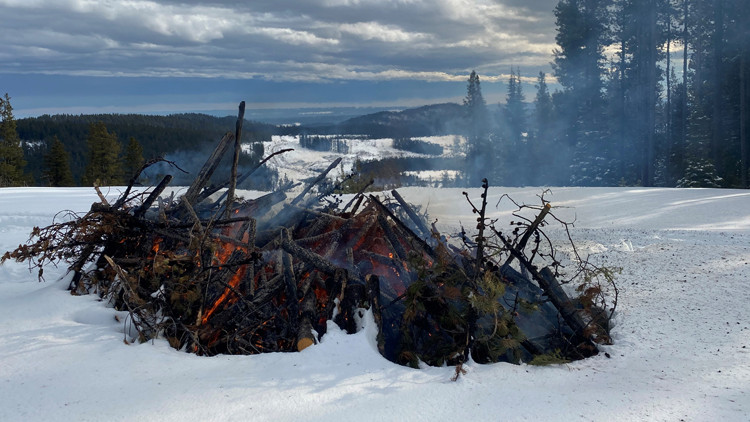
429 120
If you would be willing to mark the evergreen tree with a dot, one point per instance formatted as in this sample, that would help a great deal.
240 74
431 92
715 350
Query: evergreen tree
515 114
480 154
57 165
676 137
133 160
104 167
743 41
578 66
11 152
700 173
641 34
541 148
514 133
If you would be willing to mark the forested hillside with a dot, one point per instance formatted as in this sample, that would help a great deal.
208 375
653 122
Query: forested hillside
158 135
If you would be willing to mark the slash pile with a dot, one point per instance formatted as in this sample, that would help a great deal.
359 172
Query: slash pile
223 275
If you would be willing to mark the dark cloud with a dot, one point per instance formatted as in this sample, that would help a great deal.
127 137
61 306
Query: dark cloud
282 39
173 56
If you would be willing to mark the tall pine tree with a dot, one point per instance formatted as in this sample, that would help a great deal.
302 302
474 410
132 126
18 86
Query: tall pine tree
103 166
11 152
541 149
480 154
515 132
57 165
133 160
578 66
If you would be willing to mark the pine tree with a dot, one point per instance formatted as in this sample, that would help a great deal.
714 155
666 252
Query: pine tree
11 153
744 117
104 167
57 165
515 132
480 154
541 147
133 160
515 113
578 66
700 173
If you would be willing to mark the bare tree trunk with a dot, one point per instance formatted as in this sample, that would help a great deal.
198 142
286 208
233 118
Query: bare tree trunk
623 120
683 144
646 73
651 77
743 102
717 111
668 111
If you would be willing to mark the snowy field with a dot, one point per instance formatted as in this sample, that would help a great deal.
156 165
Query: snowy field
681 352
304 163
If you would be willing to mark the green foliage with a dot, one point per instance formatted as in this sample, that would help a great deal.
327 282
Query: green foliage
434 323
595 299
103 166
57 165
700 173
133 160
437 321
552 358
159 136
11 153
497 336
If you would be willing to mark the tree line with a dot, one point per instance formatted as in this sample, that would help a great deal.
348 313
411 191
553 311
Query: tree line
654 93
105 164
79 150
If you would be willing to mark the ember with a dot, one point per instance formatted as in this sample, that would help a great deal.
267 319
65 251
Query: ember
265 275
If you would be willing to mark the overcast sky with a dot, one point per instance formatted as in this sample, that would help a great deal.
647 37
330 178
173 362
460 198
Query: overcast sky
161 56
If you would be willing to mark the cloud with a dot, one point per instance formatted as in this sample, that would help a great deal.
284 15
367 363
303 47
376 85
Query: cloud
386 33
314 40
358 52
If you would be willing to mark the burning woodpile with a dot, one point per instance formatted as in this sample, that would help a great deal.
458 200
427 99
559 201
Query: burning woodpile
215 274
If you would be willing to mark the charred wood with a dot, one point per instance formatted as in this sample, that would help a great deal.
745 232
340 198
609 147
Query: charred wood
357 197
158 190
418 222
529 231
236 157
317 180
204 175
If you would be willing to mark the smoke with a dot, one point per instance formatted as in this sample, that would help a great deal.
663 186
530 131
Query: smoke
191 162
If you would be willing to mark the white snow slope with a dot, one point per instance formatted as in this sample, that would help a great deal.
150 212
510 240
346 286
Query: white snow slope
681 352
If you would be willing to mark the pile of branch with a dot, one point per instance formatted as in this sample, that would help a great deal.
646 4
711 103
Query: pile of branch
213 273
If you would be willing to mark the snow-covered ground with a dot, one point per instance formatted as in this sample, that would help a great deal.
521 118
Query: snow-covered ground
681 352
304 163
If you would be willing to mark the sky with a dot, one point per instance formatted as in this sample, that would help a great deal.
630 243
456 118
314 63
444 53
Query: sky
163 56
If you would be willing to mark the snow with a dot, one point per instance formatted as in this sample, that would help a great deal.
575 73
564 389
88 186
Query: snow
305 163
681 352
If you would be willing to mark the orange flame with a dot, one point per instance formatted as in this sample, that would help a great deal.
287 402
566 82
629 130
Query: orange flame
222 257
